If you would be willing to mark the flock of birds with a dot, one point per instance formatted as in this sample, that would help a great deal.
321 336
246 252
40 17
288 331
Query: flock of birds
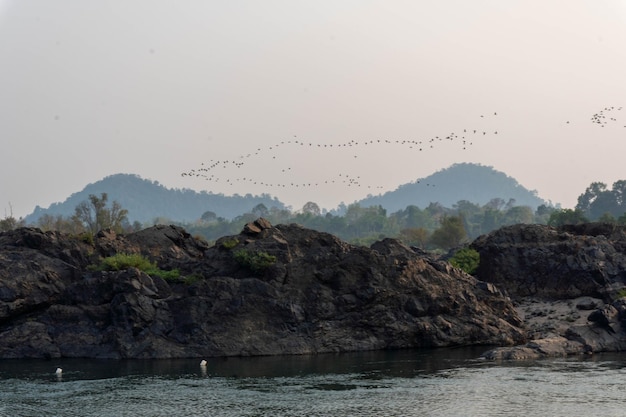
225 171
217 170
603 117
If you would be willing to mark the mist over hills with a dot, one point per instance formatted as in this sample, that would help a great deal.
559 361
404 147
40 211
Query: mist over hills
147 200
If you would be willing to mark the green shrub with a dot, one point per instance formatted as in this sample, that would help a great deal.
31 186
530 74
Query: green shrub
230 243
255 261
170 275
466 259
122 261
192 278
87 238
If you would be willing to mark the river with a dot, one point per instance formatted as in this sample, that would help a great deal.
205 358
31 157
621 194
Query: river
441 382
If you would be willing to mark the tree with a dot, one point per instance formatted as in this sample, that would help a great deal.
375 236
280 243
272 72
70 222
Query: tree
413 217
260 210
491 219
60 223
209 217
414 236
598 200
542 214
277 215
435 211
353 213
495 204
567 216
311 208
95 216
607 218
472 215
519 215
450 234
373 219
510 204
9 222
589 196
619 191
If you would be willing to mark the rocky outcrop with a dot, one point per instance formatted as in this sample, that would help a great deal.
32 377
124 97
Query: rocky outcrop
269 290
544 262
567 284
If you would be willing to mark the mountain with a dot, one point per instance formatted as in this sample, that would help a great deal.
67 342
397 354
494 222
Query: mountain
465 181
146 200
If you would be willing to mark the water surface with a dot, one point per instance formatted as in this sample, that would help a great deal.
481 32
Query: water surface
442 382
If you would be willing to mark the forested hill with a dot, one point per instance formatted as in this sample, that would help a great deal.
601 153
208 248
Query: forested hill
472 182
146 200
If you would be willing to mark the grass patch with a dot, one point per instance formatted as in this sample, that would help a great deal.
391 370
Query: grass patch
192 278
123 261
230 243
87 238
255 261
466 259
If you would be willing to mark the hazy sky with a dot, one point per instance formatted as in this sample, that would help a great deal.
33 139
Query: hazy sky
158 88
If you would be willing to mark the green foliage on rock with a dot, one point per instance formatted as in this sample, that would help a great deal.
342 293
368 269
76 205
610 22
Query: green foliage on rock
230 243
255 261
192 278
466 259
86 238
122 261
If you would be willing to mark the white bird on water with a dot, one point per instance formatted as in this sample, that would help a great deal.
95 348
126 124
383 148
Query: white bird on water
202 362
59 371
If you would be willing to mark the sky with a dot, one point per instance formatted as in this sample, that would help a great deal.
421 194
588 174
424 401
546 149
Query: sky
323 101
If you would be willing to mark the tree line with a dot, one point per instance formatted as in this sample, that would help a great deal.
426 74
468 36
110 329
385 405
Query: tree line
431 228
89 217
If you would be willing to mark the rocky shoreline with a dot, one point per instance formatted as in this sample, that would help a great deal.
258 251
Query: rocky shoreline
284 289
567 285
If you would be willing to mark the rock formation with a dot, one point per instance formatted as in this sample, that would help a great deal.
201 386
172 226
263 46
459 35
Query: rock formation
269 290
567 284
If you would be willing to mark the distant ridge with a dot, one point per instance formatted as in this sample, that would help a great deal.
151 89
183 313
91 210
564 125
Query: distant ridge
146 200
464 181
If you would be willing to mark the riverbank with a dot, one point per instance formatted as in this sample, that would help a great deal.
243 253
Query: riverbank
276 290
270 290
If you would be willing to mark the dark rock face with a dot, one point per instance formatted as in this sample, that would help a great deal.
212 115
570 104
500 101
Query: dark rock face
544 262
559 273
269 290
